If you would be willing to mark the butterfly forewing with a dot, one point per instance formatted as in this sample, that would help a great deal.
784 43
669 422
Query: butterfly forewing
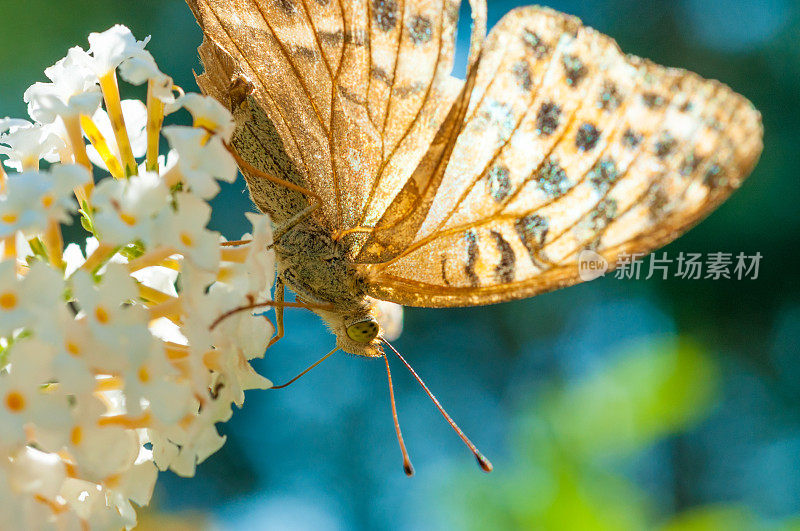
356 89
602 151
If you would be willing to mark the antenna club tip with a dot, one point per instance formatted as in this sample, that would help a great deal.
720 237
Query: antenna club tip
408 469
484 463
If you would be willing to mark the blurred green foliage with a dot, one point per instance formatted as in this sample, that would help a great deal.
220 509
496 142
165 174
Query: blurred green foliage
572 440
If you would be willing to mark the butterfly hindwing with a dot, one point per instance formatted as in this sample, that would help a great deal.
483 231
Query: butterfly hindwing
571 146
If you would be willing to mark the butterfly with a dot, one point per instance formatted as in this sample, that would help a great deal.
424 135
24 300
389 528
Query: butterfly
388 179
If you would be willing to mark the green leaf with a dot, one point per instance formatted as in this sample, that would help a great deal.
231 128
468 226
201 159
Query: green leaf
655 388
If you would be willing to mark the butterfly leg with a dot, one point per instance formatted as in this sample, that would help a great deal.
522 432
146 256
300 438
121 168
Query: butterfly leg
279 294
297 218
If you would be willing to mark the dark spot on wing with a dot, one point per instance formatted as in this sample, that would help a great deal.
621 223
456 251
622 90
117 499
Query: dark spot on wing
547 118
657 200
631 138
532 232
351 96
331 38
574 69
552 179
384 14
686 107
420 29
587 137
305 52
653 100
504 272
664 145
444 271
499 183
715 177
381 75
604 175
535 44
473 251
603 214
403 91
323 2
356 37
610 97
522 72
287 6
690 164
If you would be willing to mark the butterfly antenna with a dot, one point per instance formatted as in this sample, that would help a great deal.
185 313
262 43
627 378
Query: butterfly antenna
484 463
293 380
407 467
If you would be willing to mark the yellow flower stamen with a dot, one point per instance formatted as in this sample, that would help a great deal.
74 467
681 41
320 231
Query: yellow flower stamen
143 374
73 348
155 119
9 218
15 401
101 314
186 239
128 219
101 145
76 435
3 179
110 88
8 300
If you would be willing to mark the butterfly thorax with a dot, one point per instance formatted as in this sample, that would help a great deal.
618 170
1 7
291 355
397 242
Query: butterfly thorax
315 266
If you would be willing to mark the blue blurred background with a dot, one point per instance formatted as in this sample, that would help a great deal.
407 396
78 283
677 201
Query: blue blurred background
619 404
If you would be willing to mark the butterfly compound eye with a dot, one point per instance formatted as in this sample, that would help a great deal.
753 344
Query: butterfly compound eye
363 331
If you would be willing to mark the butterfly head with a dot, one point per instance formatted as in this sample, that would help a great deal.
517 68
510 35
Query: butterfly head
359 330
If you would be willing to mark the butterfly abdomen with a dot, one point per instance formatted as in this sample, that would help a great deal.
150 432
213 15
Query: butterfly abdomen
257 141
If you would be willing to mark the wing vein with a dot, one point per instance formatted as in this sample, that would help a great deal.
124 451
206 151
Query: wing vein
506 142
293 66
266 92
407 131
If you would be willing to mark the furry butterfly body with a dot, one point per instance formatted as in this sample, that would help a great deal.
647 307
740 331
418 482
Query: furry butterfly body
425 190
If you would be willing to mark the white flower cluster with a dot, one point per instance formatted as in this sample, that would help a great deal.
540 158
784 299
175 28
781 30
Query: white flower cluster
111 366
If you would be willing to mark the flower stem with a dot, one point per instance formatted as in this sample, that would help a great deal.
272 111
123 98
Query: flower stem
101 145
73 127
98 257
110 88
54 243
155 119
